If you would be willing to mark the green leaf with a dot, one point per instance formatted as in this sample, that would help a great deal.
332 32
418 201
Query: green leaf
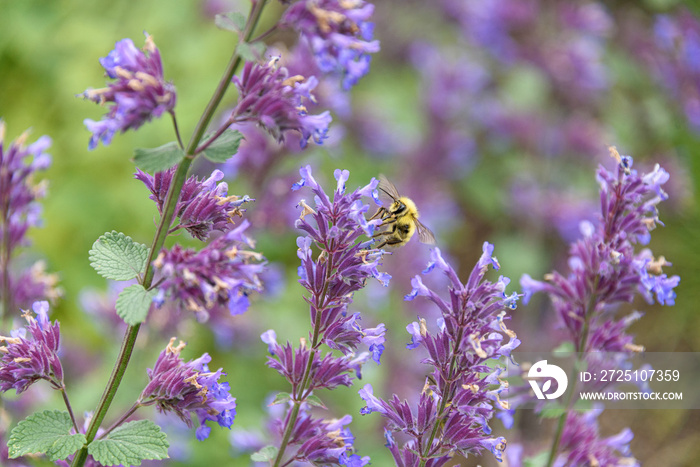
552 411
116 256
314 401
224 147
46 432
281 398
158 159
266 454
566 348
130 443
231 21
539 460
250 52
133 304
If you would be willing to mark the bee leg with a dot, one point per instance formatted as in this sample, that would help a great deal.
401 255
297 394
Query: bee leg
380 210
384 232
377 247
394 241
388 222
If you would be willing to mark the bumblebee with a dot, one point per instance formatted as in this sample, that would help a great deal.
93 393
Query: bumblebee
400 220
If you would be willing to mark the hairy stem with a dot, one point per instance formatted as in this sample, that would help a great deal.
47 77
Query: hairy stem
70 409
121 420
162 232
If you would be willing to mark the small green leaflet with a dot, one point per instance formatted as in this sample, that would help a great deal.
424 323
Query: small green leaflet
224 147
314 401
158 159
552 410
133 304
281 398
266 454
130 443
46 432
116 256
250 52
231 21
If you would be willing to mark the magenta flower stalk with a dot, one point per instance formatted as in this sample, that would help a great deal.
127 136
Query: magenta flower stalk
189 389
606 271
461 394
19 210
336 262
277 102
138 93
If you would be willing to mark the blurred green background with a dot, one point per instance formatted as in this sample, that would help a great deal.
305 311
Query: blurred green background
49 53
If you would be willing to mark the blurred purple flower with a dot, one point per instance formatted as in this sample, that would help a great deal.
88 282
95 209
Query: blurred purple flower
604 265
584 446
457 400
138 93
202 206
276 101
221 274
187 389
25 360
339 33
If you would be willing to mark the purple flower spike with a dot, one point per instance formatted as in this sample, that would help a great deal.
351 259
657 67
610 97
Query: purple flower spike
221 274
339 33
456 402
203 205
137 94
189 388
276 101
27 359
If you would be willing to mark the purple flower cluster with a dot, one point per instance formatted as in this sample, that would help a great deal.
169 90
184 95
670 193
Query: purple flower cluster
605 272
270 97
202 206
605 268
584 446
19 210
335 264
462 391
137 94
25 360
187 389
339 33
220 275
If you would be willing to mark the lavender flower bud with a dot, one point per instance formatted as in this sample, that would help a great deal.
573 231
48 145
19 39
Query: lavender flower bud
221 274
25 360
276 101
138 93
189 388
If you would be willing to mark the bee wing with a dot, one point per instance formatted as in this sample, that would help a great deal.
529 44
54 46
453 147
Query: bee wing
425 235
387 187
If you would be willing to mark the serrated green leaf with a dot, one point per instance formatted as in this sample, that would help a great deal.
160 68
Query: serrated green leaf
158 159
133 304
314 401
232 21
224 147
281 398
46 432
116 256
266 454
250 52
130 444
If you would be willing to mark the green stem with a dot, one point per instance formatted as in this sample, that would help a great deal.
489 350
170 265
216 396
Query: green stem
70 409
574 372
162 232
